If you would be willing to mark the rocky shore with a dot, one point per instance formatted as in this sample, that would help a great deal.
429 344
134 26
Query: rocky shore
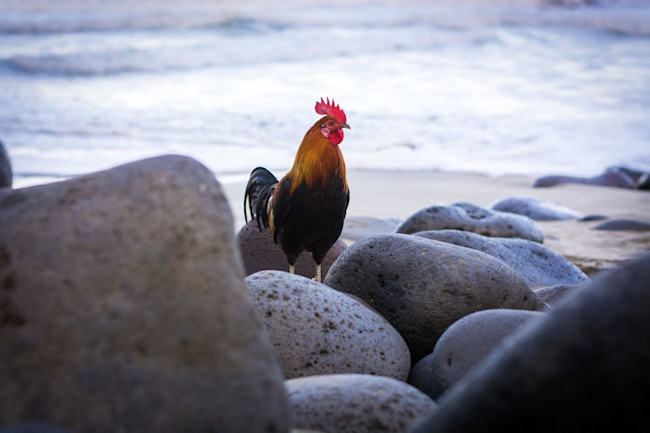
136 299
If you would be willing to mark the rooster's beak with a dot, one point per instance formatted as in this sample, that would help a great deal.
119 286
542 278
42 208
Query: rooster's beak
345 125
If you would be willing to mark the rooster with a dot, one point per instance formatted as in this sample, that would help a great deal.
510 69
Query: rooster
306 208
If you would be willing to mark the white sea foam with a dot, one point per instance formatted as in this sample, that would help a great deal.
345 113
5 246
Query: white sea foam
499 87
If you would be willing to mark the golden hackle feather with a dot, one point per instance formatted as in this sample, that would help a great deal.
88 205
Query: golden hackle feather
316 160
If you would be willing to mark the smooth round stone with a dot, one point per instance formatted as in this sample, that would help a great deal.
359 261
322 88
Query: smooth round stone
536 209
614 177
318 330
469 340
624 224
355 403
471 218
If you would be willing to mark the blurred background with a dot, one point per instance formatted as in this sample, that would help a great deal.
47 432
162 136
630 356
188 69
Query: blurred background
495 87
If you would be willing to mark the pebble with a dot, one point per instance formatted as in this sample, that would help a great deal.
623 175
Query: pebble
536 209
122 298
624 224
355 403
259 253
422 286
614 177
582 367
317 330
471 218
537 264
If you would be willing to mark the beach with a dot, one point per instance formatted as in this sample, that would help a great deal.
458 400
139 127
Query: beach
398 194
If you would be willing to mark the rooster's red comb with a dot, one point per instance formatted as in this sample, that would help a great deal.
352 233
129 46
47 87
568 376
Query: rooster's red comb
330 109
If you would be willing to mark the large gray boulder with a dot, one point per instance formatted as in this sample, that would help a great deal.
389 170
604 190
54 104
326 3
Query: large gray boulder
317 330
6 173
536 209
123 307
422 286
471 218
583 367
354 403
538 265
260 253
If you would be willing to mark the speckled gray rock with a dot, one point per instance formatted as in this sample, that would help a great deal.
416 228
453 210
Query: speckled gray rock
537 264
467 217
469 340
124 308
6 173
624 224
552 294
318 330
355 403
260 253
423 286
536 209
583 367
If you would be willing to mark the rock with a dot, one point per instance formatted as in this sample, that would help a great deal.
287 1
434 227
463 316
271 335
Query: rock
123 307
583 367
643 183
421 377
640 178
354 403
422 286
536 209
467 217
592 217
6 173
260 253
624 224
552 294
614 177
469 340
356 228
318 330
537 264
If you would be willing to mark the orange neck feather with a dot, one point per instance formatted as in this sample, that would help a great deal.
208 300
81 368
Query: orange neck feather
316 160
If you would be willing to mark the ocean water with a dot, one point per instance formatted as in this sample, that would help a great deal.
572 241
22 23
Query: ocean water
510 87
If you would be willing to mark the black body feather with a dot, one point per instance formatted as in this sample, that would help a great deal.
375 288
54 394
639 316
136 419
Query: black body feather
259 190
307 219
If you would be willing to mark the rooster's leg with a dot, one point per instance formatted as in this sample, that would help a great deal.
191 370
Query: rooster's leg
292 269
318 278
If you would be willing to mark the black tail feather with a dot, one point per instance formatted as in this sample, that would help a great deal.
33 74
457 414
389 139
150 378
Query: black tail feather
259 190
